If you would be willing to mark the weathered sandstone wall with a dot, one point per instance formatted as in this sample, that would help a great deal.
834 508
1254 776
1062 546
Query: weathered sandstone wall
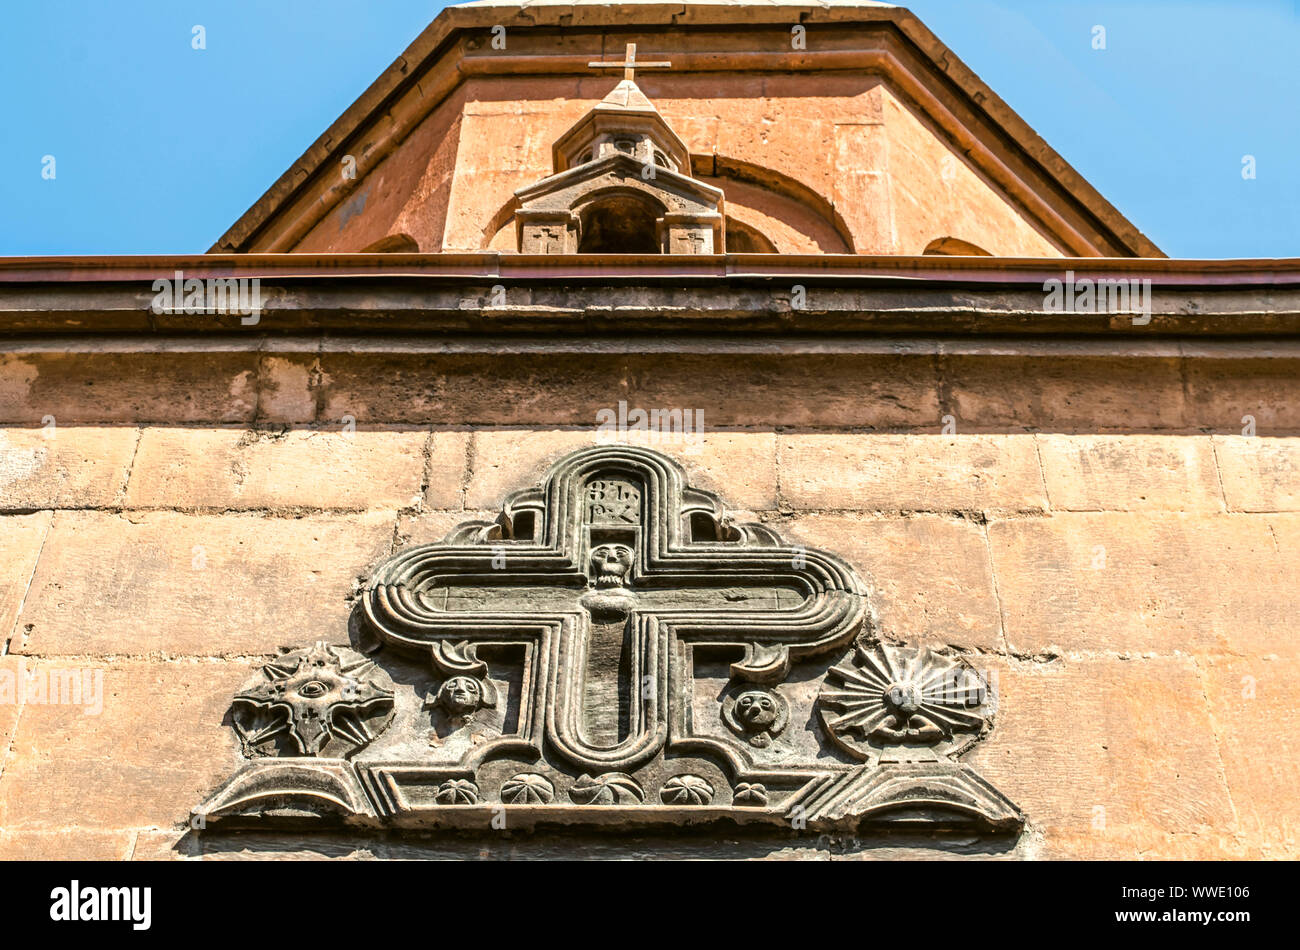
1096 532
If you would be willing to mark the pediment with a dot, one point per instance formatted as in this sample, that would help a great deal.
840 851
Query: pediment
875 119
677 193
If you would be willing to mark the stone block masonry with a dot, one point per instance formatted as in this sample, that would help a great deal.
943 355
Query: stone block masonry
1133 593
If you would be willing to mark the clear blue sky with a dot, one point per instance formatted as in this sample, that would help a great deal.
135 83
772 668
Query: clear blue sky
159 147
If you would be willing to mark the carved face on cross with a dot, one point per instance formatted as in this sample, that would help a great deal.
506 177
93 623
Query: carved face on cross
605 655
610 563
755 713
461 695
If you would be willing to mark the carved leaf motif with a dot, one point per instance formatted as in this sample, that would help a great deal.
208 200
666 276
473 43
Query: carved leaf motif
457 791
612 788
686 790
459 659
528 788
750 793
763 663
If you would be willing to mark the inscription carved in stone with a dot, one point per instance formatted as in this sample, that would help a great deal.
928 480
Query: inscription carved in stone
613 651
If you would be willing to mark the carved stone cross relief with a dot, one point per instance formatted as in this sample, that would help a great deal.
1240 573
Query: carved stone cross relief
624 637
605 597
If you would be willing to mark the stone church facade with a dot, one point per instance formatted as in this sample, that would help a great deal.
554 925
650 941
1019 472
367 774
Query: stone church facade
717 429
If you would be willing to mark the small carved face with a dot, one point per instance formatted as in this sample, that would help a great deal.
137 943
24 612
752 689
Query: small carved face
461 695
902 698
611 562
756 709
755 713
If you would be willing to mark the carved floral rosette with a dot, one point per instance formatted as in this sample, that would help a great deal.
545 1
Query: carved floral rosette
612 652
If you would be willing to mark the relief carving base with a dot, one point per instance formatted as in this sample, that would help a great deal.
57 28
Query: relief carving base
613 652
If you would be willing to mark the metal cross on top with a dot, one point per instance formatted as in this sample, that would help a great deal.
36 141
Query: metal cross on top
629 64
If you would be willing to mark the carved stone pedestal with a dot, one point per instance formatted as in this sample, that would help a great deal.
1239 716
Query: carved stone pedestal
547 232
691 233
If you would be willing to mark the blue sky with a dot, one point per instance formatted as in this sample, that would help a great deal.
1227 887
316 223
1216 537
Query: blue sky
159 147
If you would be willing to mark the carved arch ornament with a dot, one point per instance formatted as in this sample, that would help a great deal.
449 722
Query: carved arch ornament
613 651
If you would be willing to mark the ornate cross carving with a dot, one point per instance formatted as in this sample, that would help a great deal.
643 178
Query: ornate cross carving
629 65
614 643
608 595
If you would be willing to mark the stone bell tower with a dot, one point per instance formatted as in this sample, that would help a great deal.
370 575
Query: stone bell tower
622 183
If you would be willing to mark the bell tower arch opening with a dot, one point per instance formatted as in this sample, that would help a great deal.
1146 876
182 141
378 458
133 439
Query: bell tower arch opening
619 223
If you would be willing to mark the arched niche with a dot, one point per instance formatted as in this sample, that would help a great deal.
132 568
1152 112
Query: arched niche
602 207
744 239
619 222
401 243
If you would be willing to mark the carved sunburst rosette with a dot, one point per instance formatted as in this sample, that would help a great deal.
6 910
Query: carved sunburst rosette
896 702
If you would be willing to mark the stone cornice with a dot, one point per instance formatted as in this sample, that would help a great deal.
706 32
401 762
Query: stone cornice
1241 271
593 297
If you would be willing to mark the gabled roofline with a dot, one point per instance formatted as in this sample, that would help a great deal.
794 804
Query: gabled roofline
441 39
600 166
